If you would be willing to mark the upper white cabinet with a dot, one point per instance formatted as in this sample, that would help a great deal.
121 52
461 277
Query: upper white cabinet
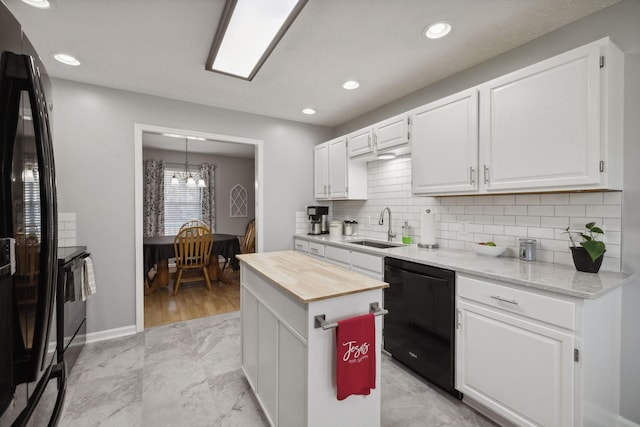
335 177
390 135
360 142
556 124
445 145
553 126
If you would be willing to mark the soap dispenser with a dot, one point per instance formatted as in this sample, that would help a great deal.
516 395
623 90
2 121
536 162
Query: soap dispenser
406 233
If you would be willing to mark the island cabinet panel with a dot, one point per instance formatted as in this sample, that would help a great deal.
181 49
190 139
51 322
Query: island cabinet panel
249 304
292 371
268 361
292 384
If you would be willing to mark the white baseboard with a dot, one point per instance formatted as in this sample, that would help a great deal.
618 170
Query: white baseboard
110 334
623 422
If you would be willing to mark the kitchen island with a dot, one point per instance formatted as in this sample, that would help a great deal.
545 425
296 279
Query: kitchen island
287 357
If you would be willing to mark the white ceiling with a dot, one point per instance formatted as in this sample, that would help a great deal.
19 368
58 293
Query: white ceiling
159 47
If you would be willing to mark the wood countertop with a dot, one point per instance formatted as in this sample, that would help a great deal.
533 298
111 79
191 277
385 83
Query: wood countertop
307 278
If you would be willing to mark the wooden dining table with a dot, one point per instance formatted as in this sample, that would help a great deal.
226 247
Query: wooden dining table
158 249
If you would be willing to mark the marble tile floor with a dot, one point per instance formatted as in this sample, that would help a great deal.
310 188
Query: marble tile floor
188 374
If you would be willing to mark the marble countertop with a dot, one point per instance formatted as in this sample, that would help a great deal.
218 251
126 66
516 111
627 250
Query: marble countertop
557 278
307 278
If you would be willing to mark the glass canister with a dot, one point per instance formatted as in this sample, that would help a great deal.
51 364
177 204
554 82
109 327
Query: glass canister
528 249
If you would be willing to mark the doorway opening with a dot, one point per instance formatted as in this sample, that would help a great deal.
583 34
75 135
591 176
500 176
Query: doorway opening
150 139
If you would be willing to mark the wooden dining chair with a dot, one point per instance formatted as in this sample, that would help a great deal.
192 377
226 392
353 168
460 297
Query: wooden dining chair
248 244
192 246
195 223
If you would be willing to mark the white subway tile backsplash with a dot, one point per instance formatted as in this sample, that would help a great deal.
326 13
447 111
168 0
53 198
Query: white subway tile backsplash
463 220
515 210
612 198
585 198
527 199
506 199
562 210
493 210
528 221
555 199
541 233
604 211
542 210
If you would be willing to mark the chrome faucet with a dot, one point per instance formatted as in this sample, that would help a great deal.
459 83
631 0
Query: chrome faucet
390 233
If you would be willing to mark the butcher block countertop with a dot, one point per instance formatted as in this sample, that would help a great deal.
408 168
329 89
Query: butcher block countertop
307 278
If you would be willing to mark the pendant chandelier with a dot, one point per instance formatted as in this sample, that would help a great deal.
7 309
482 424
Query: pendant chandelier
187 176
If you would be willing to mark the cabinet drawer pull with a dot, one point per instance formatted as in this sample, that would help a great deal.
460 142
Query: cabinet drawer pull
510 301
314 250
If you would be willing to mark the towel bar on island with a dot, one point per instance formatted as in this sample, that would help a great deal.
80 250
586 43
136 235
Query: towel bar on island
321 322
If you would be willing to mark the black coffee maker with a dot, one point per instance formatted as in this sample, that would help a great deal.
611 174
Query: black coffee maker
319 217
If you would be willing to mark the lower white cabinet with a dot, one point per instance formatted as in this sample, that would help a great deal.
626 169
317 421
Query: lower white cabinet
515 367
537 359
300 245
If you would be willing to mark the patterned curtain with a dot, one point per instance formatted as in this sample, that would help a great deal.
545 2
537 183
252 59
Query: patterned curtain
153 205
207 172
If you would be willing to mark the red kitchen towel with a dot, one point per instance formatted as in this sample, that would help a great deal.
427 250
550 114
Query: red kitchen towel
356 356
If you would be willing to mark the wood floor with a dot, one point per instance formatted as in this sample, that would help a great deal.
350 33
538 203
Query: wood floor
193 300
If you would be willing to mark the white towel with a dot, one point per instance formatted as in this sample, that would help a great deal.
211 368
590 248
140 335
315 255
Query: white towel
88 279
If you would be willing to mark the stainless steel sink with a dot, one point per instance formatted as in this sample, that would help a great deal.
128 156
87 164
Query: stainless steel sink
375 244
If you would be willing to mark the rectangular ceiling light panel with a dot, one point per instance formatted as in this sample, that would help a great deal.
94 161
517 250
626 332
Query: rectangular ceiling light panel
247 33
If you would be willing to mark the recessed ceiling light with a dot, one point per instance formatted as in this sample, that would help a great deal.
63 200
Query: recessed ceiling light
437 30
350 85
308 111
247 33
66 59
40 4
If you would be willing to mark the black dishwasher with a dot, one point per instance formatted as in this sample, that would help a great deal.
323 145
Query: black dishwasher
419 330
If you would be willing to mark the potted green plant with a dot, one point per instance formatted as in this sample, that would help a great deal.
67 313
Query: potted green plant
588 256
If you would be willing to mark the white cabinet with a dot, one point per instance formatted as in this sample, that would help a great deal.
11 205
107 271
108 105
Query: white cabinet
334 176
536 358
316 250
552 126
321 171
388 136
445 145
300 245
392 133
360 142
337 256
556 124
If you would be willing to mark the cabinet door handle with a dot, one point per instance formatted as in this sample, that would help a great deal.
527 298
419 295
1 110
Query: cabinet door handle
486 174
471 179
412 354
329 188
499 298
369 141
325 189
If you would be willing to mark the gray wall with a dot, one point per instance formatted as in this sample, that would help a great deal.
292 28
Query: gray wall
93 141
621 22
229 172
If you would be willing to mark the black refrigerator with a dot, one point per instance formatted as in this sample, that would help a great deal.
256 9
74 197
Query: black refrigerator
32 383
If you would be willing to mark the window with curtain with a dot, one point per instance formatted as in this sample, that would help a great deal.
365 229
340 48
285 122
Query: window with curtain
181 203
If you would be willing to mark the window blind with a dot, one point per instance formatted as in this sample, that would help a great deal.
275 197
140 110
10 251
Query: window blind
181 203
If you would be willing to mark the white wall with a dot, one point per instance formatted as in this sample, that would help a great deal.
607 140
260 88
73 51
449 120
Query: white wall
620 22
229 172
93 141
